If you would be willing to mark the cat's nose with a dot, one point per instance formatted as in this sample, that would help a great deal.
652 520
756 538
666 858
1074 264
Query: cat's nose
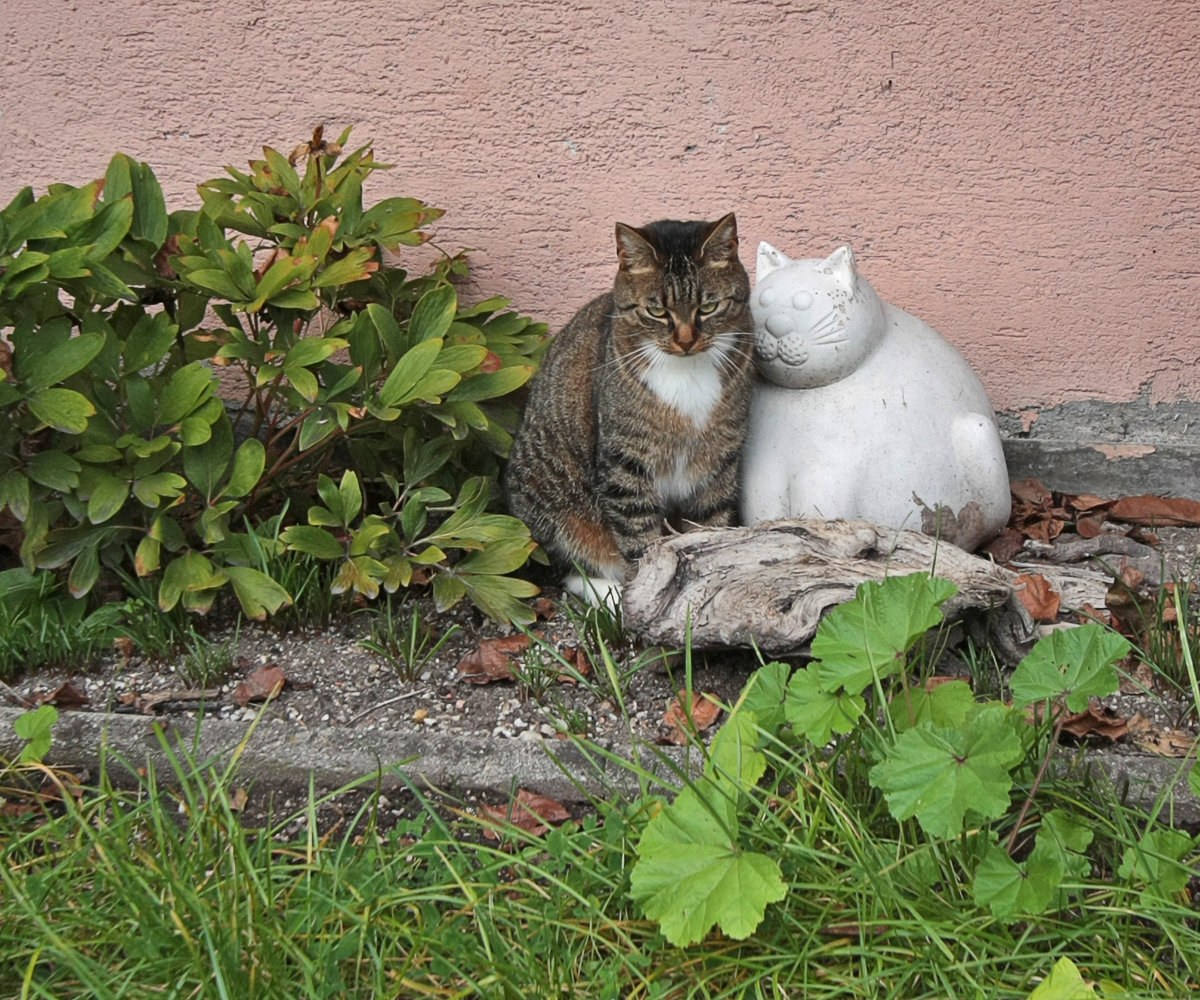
685 336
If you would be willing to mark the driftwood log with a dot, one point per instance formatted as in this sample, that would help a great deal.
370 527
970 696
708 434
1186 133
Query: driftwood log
769 584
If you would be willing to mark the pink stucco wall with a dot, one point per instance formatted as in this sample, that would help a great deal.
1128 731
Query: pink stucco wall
1025 176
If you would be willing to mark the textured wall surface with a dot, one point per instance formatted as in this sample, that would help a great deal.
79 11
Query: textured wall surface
1025 177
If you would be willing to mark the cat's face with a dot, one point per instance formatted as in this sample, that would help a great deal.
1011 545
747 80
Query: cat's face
680 290
815 321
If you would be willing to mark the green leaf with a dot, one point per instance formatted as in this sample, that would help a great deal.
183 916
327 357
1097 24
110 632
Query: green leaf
54 469
692 875
313 541
490 385
360 574
1008 888
151 338
258 594
150 488
817 713
764 693
147 558
107 496
944 704
868 637
63 409
355 266
85 571
409 370
37 729
433 314
734 756
1074 664
1063 983
1156 862
503 556
940 774
190 573
14 494
215 281
249 461
311 350
189 386
41 369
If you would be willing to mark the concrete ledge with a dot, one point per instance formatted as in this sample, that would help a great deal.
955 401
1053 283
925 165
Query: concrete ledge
1110 449
281 755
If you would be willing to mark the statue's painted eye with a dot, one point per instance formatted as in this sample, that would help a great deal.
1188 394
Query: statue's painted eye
658 312
708 308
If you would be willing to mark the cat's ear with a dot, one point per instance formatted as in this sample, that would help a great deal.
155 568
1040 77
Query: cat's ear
842 266
634 251
721 243
769 259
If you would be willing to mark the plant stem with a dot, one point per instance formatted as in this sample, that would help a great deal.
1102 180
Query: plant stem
1059 722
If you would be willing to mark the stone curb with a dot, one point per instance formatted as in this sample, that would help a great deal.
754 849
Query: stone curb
280 754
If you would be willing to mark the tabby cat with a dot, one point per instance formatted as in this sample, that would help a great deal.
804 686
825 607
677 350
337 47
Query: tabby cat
636 418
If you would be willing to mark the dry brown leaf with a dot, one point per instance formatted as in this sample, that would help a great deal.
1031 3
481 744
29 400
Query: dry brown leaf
238 800
262 685
1157 511
492 659
1038 596
64 696
1098 720
529 811
544 608
578 658
1090 525
1085 502
1031 491
1166 742
1005 545
704 712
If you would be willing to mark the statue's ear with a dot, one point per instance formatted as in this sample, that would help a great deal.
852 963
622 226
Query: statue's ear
769 259
634 251
721 243
842 266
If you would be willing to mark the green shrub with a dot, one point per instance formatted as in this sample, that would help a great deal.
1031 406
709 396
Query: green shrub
361 421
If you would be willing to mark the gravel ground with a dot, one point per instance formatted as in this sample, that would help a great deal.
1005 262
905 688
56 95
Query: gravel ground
331 679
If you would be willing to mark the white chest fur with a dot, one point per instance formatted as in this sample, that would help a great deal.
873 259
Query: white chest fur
691 384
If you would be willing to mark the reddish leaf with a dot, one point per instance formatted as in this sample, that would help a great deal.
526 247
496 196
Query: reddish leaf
492 659
703 713
578 659
529 811
1005 545
1031 491
1090 525
544 608
64 696
1039 598
491 363
262 685
1096 721
1157 511
1085 502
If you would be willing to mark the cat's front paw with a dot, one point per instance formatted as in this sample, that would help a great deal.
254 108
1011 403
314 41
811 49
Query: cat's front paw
598 591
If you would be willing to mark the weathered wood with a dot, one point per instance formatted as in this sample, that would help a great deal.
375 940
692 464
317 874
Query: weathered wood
768 585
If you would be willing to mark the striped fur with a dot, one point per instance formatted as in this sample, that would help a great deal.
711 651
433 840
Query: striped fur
637 416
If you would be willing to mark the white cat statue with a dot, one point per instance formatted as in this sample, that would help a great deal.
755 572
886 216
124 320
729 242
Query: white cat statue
863 411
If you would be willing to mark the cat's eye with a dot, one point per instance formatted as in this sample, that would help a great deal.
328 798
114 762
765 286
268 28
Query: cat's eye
708 308
657 312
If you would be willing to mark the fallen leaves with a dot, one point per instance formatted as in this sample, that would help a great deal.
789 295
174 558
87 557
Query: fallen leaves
66 696
1038 596
262 685
680 722
528 811
492 660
